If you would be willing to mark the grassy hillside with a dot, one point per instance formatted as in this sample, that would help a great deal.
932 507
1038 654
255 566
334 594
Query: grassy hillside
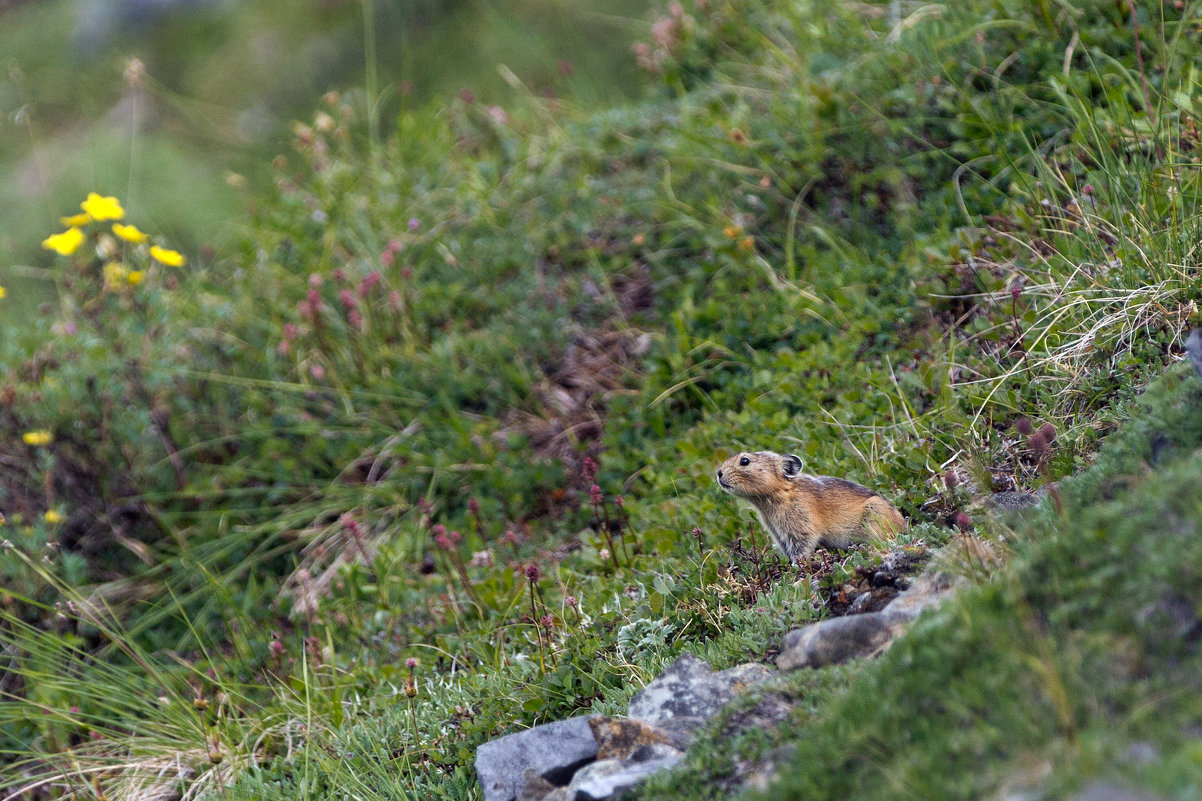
428 457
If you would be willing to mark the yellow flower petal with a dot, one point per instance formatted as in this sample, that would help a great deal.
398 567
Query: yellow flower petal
135 277
102 208
3 292
76 220
65 243
39 437
169 257
52 516
129 233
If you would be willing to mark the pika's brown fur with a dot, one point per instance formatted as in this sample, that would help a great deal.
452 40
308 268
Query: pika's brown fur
802 511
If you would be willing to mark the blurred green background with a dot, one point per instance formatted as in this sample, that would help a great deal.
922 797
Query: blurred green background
179 107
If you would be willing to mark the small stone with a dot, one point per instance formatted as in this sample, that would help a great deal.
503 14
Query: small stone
608 778
552 751
835 640
618 739
862 604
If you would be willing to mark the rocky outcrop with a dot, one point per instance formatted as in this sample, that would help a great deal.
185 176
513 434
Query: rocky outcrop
591 758
598 757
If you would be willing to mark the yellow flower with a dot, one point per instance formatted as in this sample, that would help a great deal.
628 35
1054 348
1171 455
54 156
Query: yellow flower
135 277
76 220
52 516
102 208
731 231
39 437
129 233
169 257
114 274
66 243
3 292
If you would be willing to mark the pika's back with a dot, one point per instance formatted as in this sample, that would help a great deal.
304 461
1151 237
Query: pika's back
803 511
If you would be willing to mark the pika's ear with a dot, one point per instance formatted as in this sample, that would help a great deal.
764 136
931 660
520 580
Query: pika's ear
791 465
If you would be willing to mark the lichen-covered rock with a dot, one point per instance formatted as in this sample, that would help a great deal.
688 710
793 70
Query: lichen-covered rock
835 640
608 778
618 739
682 699
552 751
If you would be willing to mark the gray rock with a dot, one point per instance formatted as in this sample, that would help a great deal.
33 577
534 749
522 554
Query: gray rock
682 730
1102 791
682 699
744 676
1193 349
608 778
835 640
553 751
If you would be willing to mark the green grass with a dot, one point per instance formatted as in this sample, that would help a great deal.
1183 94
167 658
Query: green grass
288 467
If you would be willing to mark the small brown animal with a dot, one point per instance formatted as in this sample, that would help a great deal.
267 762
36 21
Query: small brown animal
801 511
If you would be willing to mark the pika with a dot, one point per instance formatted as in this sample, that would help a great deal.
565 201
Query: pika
802 511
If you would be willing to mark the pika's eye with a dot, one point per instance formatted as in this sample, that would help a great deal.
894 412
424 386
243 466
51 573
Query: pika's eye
744 462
